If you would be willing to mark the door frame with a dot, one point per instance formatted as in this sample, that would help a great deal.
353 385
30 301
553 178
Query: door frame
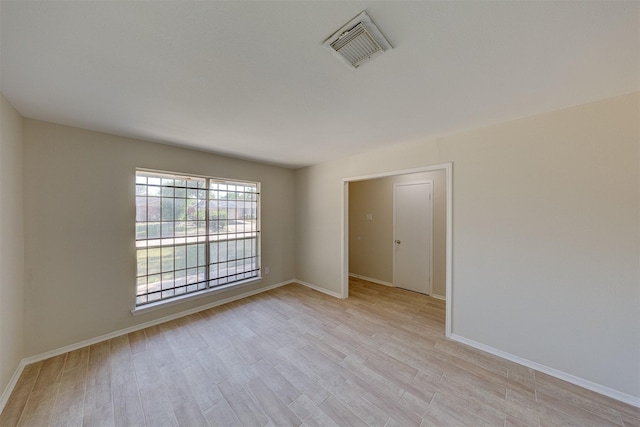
344 230
397 184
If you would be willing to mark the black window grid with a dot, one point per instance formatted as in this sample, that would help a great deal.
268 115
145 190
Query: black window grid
193 234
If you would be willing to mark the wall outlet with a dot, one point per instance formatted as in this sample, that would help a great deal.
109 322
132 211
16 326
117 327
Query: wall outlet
369 217
267 270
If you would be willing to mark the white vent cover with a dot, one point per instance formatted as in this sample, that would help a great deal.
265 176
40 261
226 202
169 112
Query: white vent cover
358 41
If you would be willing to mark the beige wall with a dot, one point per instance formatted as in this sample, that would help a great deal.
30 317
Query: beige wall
371 241
80 216
11 242
546 229
546 234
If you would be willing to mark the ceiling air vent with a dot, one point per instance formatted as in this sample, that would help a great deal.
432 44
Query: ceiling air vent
358 41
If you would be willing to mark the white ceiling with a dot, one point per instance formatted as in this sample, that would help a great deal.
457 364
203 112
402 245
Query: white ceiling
252 79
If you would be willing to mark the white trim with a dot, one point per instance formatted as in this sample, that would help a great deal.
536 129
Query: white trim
344 251
448 168
606 391
91 341
56 352
391 285
194 175
146 308
319 289
369 279
12 384
581 382
448 324
429 168
431 197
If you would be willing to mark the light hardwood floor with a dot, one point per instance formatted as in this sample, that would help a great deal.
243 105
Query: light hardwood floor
293 356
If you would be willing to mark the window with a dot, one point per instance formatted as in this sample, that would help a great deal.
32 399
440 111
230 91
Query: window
194 234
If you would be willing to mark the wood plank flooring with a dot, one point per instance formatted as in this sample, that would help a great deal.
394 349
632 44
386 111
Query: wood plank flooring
293 356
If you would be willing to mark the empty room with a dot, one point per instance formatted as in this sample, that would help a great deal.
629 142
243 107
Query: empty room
319 213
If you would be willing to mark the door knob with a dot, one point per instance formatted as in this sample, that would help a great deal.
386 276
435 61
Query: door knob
398 242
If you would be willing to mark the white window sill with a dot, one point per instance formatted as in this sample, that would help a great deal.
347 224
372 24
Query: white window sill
189 297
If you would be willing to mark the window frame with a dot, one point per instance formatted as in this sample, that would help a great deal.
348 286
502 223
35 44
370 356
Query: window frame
207 238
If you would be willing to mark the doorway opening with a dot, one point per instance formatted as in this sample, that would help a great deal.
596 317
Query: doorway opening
373 246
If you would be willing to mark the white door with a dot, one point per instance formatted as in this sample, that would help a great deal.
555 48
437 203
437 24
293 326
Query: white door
412 229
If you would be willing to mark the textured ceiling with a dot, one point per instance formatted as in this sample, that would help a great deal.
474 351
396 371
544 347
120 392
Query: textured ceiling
252 79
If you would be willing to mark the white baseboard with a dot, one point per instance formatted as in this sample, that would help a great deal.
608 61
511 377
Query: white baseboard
91 341
46 355
598 388
369 279
319 289
382 282
4 398
589 385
